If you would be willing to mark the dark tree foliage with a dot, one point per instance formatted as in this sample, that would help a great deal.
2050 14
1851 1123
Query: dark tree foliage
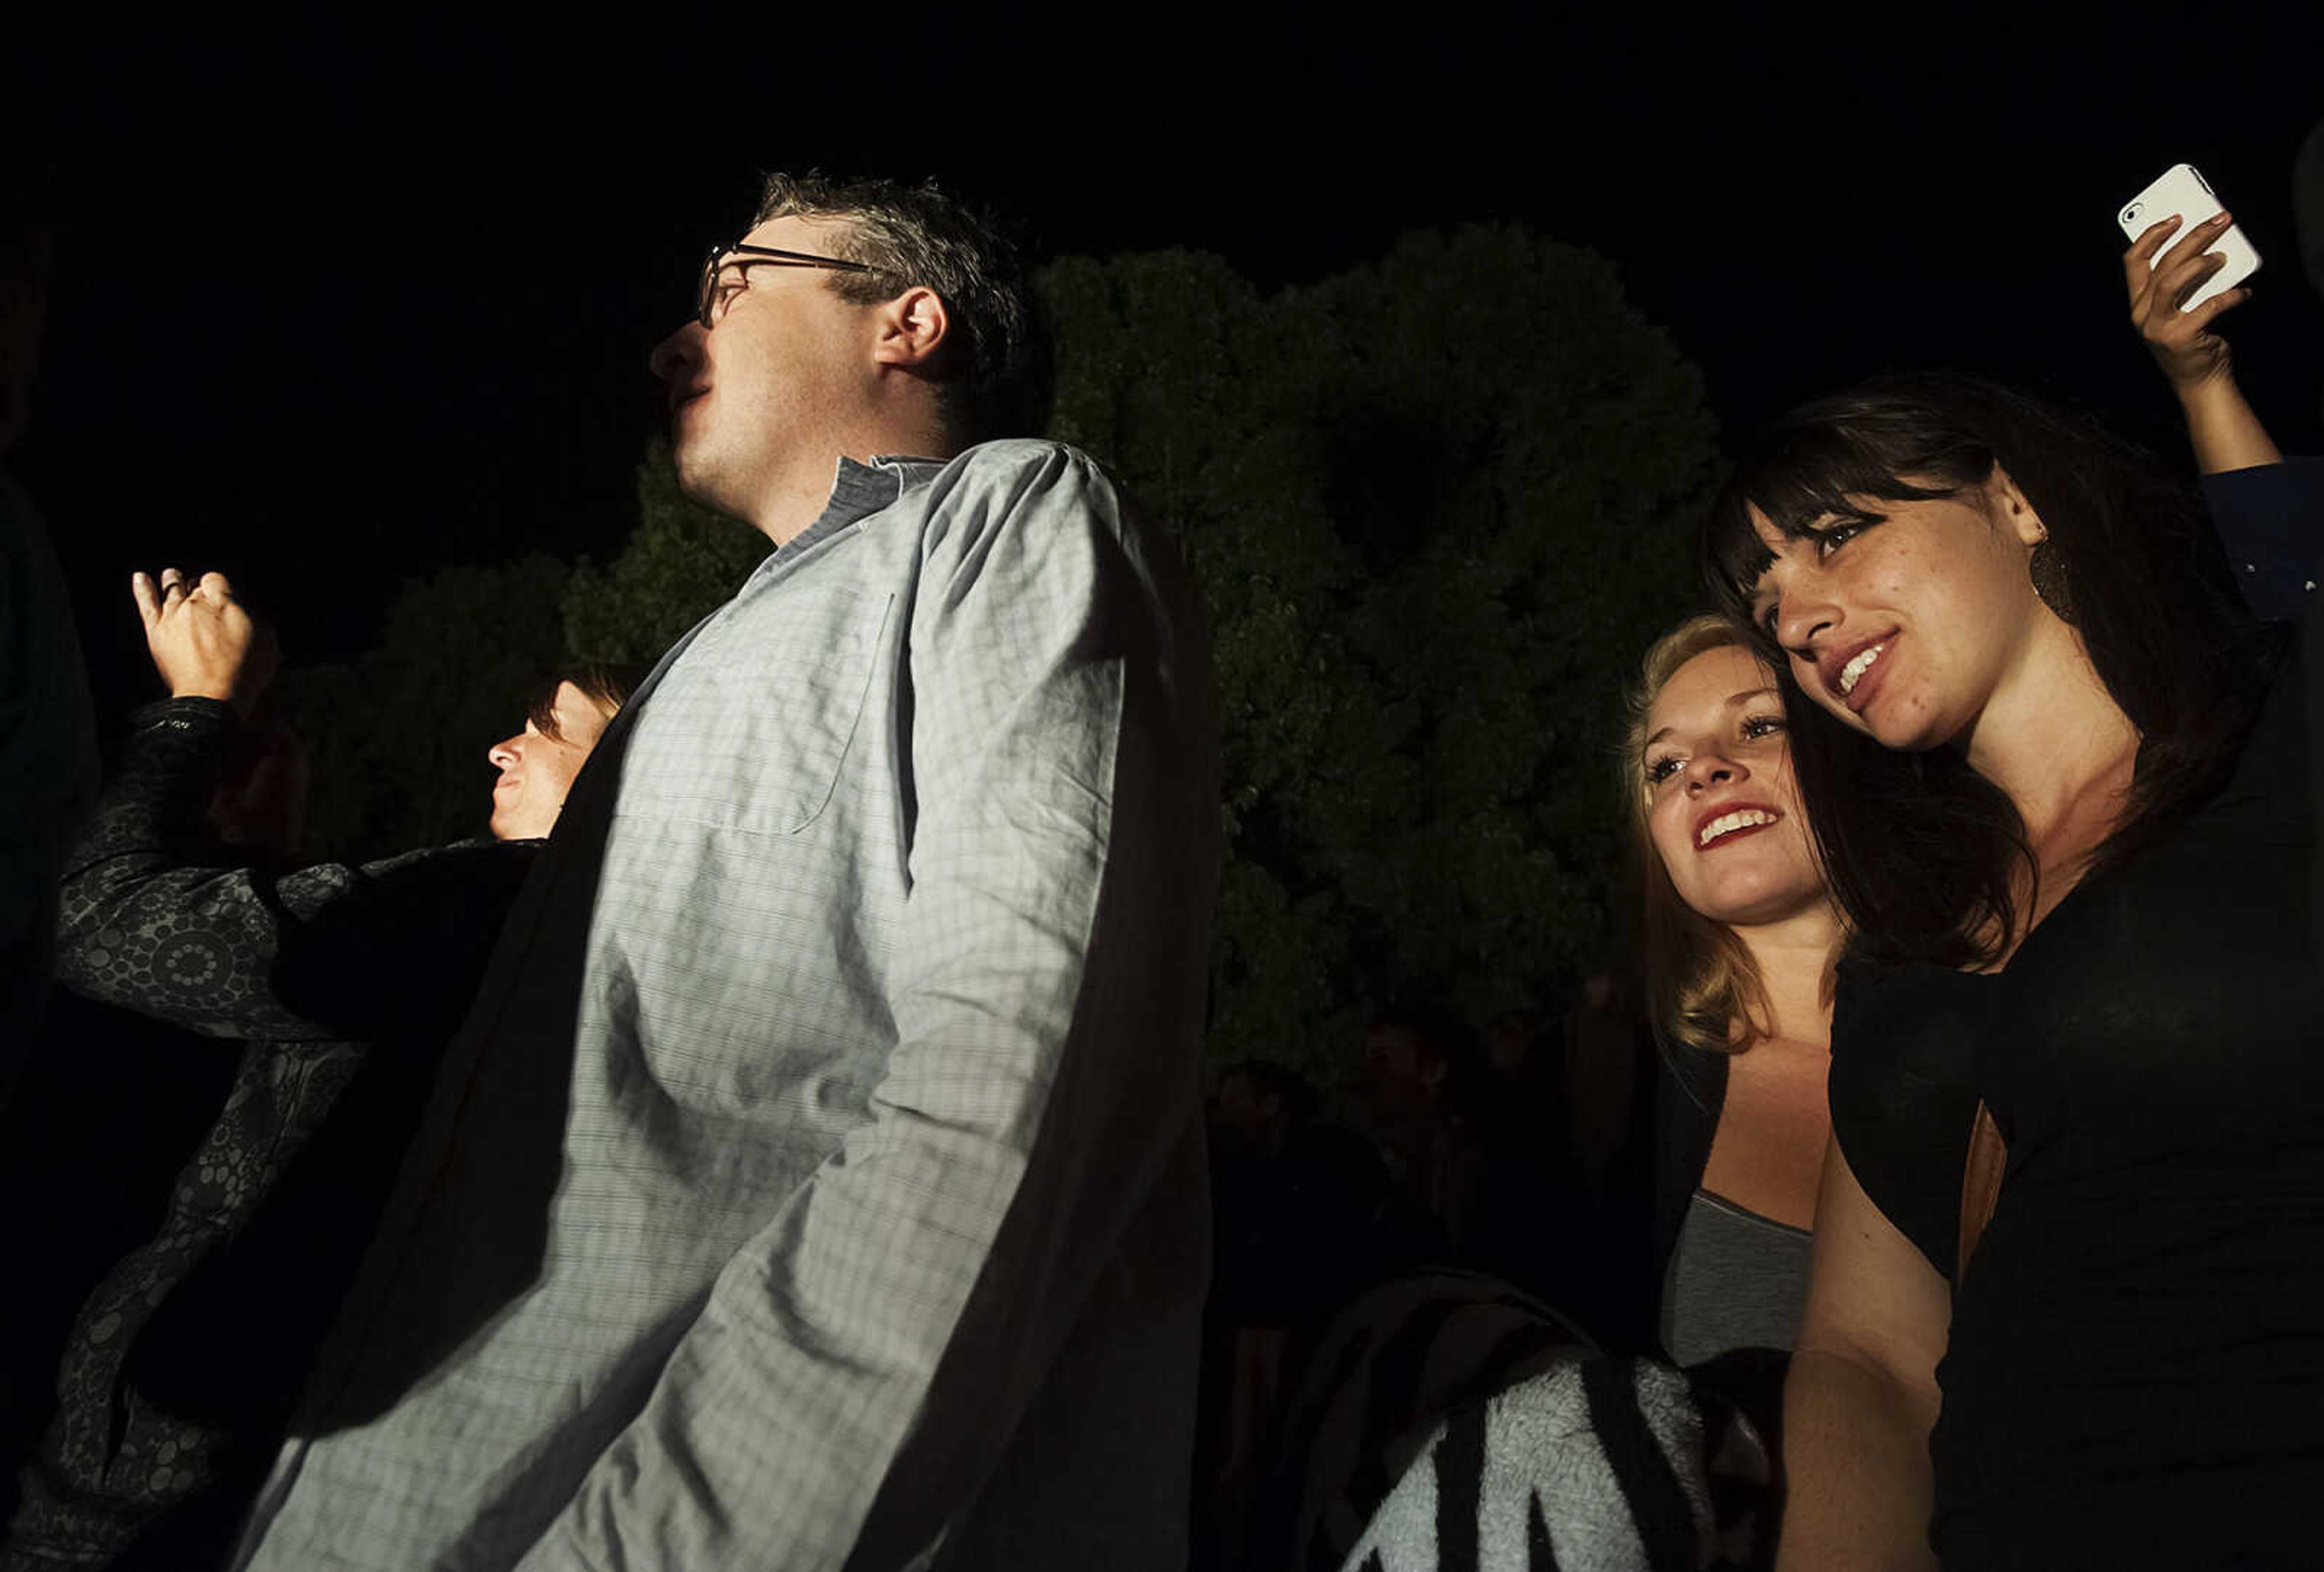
680 562
1438 504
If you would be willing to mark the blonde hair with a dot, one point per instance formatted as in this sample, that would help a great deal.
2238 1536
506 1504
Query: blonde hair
1703 989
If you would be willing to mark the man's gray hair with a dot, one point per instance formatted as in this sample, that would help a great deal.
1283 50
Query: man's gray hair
997 380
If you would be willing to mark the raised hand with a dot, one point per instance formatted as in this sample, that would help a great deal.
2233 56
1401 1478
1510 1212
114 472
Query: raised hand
2225 431
2183 344
203 643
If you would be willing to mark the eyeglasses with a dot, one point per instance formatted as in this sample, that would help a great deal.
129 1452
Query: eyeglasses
710 301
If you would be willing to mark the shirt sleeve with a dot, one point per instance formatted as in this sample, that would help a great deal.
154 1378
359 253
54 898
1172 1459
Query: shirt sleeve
881 1335
2271 522
159 915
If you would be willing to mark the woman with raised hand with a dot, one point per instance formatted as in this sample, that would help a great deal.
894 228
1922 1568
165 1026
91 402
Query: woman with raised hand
330 990
2061 785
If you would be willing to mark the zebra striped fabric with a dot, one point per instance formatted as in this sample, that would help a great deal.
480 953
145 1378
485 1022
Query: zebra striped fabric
1447 1422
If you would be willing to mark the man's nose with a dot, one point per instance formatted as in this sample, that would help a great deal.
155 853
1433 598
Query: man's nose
506 752
673 358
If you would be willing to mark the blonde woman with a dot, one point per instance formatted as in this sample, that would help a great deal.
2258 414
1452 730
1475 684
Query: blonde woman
1738 950
1738 946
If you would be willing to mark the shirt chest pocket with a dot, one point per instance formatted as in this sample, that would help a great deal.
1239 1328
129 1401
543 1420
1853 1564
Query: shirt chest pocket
751 728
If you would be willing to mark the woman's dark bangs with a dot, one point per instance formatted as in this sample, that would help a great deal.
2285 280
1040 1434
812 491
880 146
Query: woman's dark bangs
1807 473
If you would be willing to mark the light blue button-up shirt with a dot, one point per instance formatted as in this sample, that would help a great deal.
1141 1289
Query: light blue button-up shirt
866 1214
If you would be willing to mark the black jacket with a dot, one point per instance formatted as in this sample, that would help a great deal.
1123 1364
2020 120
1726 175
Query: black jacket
330 990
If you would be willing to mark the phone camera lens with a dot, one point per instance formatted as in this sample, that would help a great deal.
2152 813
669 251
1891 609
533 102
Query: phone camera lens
2130 214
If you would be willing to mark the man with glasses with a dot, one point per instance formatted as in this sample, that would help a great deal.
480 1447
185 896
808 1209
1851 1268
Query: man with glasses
819 1181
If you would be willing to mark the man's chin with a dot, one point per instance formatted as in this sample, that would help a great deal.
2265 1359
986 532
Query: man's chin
698 481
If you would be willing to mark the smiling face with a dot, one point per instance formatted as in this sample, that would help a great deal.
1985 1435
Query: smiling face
1722 807
1908 621
537 768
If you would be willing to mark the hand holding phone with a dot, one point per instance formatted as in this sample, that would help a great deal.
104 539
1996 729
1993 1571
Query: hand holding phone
2184 193
2176 298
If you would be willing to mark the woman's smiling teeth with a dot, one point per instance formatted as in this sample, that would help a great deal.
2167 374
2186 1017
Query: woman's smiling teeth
1728 823
1855 669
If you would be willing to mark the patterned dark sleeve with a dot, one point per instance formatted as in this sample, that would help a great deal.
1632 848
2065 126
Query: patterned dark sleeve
161 916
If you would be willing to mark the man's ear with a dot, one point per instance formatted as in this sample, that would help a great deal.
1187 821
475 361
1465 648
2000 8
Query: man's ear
2011 507
911 329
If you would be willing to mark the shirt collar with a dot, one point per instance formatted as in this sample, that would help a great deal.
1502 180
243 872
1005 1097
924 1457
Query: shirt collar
860 490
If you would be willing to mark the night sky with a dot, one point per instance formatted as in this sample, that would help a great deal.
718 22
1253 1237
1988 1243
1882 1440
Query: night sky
338 306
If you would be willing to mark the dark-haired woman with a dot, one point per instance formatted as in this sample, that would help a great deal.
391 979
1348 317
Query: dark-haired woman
2062 785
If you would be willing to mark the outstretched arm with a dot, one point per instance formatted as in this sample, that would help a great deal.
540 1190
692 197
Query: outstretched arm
2195 359
863 1361
2267 508
1862 1393
158 913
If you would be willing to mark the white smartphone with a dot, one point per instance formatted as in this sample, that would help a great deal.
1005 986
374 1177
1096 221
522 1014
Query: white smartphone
2183 190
